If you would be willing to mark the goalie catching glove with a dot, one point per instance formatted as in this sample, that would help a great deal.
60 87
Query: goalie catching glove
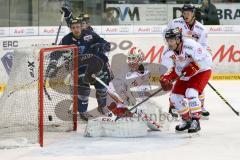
120 111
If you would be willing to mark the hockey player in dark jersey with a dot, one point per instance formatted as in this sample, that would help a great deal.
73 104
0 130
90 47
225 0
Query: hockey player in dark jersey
89 43
85 24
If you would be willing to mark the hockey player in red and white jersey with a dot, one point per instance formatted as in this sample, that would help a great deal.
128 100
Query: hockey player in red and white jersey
193 29
185 57
189 26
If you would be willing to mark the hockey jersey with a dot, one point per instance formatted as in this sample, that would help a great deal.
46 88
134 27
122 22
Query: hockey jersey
134 87
191 51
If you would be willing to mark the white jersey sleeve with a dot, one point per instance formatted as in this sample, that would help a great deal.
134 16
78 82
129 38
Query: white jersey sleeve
167 60
203 34
198 54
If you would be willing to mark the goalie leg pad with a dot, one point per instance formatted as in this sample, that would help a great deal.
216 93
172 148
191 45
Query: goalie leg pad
106 127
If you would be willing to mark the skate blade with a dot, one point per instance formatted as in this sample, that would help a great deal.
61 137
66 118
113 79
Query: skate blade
181 132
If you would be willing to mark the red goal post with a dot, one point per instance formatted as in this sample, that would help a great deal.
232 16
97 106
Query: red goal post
41 86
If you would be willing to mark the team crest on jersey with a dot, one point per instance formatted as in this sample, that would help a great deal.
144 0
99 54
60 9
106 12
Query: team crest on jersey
195 35
87 38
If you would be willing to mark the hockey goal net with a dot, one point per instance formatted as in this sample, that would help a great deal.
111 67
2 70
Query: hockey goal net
41 95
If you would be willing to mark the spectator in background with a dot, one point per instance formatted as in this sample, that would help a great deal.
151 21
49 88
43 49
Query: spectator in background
209 13
108 17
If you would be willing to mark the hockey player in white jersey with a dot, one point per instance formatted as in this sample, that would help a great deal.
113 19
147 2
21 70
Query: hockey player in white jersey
186 57
189 26
193 29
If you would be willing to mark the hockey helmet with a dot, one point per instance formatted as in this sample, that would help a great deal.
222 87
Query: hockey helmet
75 20
175 33
188 7
85 17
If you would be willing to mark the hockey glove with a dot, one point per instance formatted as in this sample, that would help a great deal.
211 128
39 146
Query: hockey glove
98 50
190 69
67 11
166 80
106 47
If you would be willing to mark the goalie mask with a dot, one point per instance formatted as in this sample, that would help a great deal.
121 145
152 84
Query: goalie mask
135 58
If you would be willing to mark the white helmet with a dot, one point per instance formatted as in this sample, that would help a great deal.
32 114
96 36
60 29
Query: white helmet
135 58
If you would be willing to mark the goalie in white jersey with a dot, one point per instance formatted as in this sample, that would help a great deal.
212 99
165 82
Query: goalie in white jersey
186 57
193 29
134 87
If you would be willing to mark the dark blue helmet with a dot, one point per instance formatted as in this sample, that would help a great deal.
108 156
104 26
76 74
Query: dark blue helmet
188 7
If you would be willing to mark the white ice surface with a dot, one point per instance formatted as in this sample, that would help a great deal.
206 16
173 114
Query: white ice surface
219 138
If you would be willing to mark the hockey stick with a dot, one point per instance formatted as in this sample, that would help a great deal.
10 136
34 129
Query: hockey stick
156 92
59 27
224 100
118 99
44 84
21 87
66 3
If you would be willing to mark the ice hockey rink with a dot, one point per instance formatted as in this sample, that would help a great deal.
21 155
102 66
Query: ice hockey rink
219 138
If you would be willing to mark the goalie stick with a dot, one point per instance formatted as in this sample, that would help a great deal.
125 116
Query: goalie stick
118 99
110 92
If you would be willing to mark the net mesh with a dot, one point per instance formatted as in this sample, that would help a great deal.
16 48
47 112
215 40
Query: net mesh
19 105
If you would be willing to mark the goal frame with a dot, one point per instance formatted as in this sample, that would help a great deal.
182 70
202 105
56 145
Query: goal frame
42 52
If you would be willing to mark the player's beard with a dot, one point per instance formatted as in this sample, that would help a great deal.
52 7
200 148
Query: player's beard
76 34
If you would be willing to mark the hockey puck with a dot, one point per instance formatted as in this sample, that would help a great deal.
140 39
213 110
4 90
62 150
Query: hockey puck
50 117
